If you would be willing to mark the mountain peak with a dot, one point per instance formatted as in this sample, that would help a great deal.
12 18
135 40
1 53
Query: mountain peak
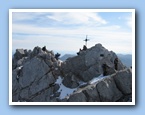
38 76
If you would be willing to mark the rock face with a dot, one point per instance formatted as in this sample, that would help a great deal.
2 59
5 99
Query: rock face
106 89
89 63
123 81
38 77
35 79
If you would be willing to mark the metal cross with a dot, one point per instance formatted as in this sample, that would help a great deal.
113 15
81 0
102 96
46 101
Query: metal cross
86 40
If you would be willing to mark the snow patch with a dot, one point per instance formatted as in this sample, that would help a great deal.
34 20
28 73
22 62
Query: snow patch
97 79
82 84
64 91
20 67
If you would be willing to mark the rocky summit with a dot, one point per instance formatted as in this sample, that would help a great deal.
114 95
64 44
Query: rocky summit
37 76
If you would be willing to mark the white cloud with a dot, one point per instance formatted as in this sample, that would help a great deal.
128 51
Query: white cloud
70 39
17 16
71 44
21 16
77 18
29 29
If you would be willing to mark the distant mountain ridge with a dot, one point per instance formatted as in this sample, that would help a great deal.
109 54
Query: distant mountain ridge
126 59
66 56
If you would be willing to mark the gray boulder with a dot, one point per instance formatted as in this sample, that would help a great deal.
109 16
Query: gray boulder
75 65
32 71
43 96
36 51
19 58
89 63
70 81
15 85
42 83
123 80
92 95
34 78
19 54
113 88
21 61
24 94
77 97
34 75
108 91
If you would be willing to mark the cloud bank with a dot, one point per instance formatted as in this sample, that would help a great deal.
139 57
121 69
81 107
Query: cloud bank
65 31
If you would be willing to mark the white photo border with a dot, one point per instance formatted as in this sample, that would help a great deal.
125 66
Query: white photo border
72 10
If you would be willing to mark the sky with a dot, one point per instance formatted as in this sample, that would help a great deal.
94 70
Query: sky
64 32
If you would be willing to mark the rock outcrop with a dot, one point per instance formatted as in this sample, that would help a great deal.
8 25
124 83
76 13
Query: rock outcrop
89 63
38 77
34 79
107 89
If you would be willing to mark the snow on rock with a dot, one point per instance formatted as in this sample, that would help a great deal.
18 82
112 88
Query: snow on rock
64 91
92 81
82 83
20 67
97 79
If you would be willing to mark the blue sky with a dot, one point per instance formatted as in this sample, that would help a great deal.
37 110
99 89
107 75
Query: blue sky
64 32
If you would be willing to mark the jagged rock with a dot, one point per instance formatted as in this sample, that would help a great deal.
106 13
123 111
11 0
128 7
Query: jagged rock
32 75
53 59
14 63
37 50
108 91
56 64
42 83
19 54
21 61
56 87
89 63
24 94
77 97
70 81
44 96
53 99
57 94
15 97
15 85
123 81
35 77
32 70
92 95
56 72
20 57
74 65
125 98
